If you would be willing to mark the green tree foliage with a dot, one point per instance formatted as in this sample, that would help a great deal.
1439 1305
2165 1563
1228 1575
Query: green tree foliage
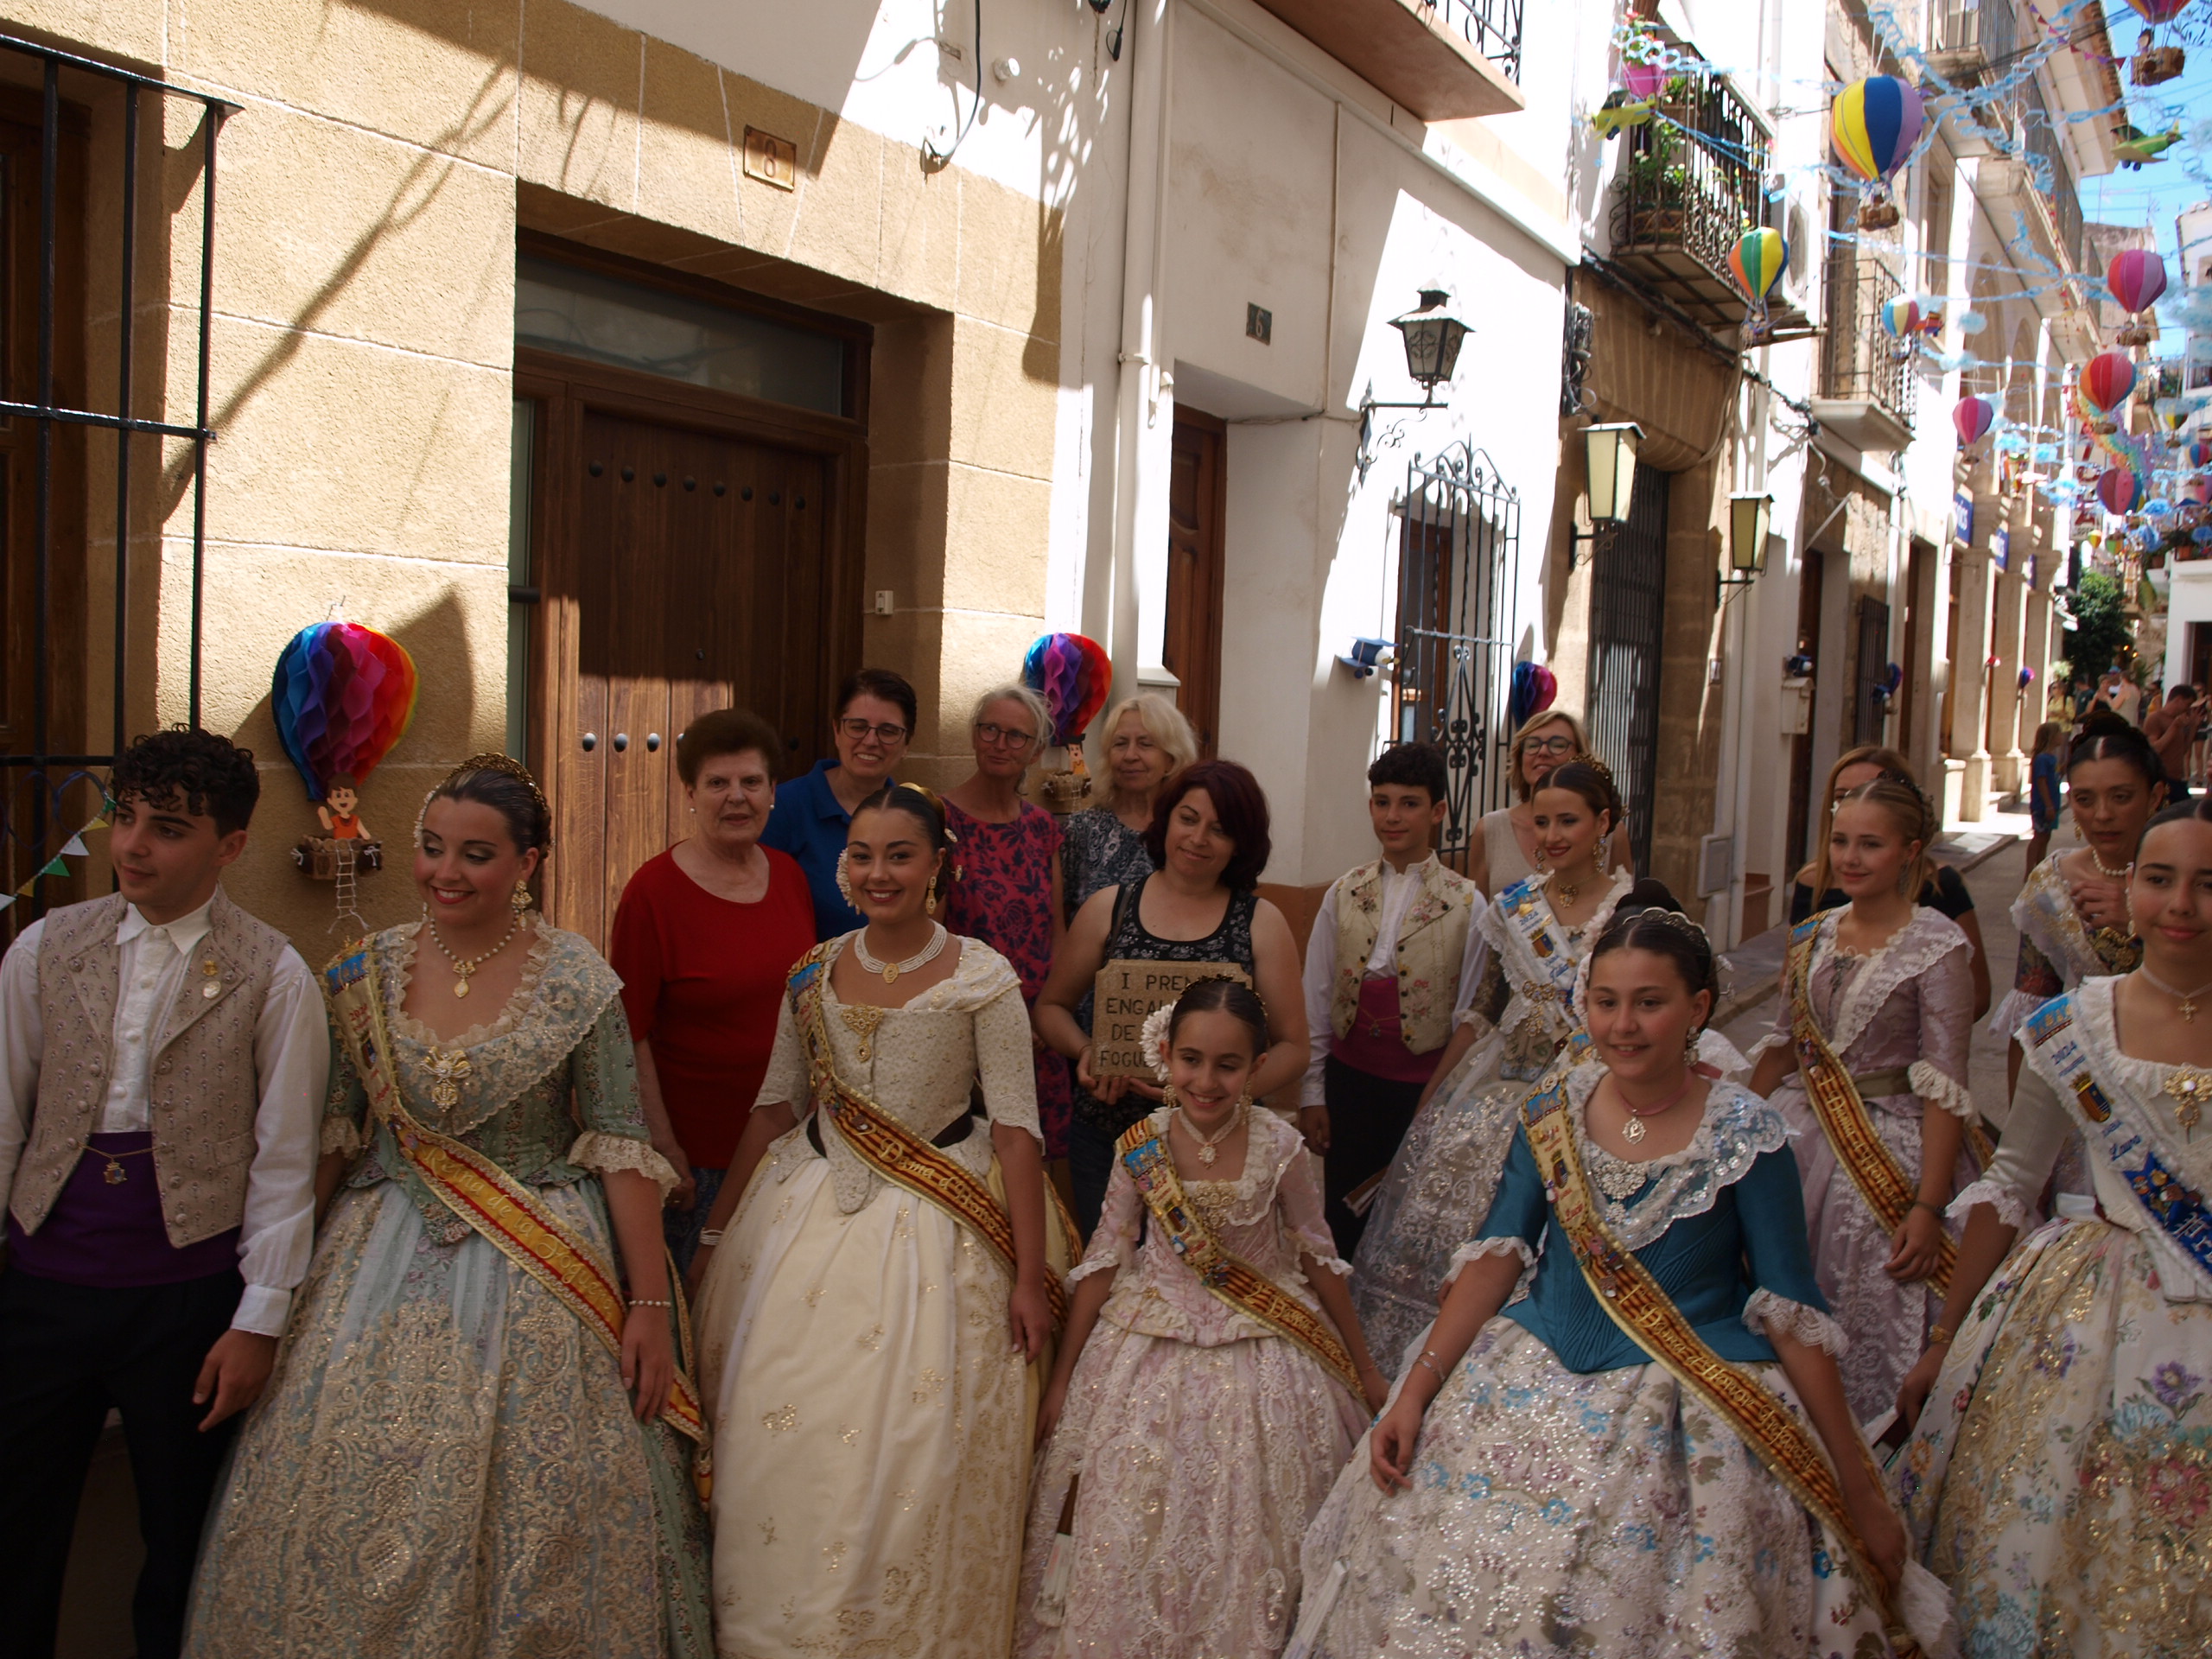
2100 635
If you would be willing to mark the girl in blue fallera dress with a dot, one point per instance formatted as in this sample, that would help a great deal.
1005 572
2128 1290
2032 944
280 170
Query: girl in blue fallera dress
1626 1433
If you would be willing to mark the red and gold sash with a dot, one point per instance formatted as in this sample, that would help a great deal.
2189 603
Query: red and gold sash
1887 1190
1624 1286
902 1157
1222 1271
501 1208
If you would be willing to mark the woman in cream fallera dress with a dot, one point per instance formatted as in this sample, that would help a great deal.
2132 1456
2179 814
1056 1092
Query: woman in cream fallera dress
873 1418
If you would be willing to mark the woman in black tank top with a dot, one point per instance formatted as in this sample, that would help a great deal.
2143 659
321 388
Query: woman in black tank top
1209 841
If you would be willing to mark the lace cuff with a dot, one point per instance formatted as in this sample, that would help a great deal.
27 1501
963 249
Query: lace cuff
1930 1082
341 1134
1335 1264
1777 1316
1082 1270
2011 1209
1757 1051
2015 1011
1480 1248
608 1153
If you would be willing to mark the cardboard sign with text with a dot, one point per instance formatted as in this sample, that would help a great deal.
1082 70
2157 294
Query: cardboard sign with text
1124 996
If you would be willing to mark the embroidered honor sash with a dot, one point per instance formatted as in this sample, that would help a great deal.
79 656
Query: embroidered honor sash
503 1209
1624 1286
1221 1270
1524 910
1866 1158
2174 1207
901 1156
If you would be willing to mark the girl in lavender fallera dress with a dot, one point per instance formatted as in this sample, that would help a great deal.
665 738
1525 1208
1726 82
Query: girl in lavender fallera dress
1200 1421
1886 987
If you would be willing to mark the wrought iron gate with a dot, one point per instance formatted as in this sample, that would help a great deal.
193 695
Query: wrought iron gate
1459 570
1628 593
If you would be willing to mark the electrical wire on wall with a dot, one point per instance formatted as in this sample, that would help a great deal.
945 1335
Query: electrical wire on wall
934 158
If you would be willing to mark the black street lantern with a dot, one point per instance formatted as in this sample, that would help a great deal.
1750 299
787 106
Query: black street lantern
1433 340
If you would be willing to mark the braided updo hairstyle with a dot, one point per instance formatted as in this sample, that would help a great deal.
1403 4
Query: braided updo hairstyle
1907 807
1648 918
1593 780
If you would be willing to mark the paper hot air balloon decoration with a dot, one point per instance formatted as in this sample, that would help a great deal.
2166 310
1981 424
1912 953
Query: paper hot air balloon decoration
1074 675
2137 276
2154 63
1972 418
342 695
2105 387
1873 125
1534 687
1901 317
1758 261
2119 490
2197 491
2198 453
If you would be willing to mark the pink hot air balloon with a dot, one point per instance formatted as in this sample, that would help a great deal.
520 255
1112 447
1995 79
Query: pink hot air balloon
2137 276
2198 490
1972 418
2119 490
2106 383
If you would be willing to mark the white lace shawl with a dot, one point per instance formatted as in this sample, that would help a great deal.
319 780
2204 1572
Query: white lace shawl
1525 975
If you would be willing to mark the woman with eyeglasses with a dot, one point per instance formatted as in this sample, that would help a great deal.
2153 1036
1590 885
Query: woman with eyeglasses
1944 890
1505 851
1006 883
813 815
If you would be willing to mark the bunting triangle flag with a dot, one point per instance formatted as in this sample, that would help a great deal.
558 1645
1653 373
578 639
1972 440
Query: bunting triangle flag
76 848
6 900
55 866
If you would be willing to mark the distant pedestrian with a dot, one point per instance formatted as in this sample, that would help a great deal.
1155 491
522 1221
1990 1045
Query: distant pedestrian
874 722
2119 693
2045 800
2172 728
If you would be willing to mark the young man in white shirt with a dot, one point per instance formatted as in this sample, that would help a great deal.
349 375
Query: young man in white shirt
1392 962
163 1062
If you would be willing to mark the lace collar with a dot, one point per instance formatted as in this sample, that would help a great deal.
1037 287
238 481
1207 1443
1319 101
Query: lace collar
1269 1145
1870 981
982 976
1737 1128
2045 912
1533 986
566 986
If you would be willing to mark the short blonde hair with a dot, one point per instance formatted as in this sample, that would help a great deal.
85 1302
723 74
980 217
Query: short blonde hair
1039 713
1537 722
1158 716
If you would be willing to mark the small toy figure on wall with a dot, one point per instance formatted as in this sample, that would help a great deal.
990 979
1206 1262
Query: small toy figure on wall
341 810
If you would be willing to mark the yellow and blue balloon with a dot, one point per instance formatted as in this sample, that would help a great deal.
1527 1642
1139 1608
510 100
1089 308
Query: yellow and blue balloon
1873 125
1758 261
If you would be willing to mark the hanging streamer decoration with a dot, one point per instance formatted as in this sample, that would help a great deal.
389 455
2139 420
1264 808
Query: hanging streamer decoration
2137 276
342 695
1873 125
1758 261
1972 418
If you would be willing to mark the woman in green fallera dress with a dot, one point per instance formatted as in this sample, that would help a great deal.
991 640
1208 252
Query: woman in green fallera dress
452 1458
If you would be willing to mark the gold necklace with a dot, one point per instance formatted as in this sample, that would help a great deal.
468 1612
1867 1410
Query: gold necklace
2186 999
463 969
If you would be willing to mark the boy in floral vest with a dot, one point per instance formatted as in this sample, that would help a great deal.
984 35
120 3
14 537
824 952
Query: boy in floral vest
163 1061
1393 960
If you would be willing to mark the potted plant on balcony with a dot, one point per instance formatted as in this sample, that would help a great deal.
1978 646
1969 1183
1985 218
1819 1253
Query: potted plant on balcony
1657 187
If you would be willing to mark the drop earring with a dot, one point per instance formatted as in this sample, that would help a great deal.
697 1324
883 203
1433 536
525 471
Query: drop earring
844 881
518 900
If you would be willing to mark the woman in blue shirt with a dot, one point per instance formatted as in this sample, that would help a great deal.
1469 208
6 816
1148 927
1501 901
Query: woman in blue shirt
1542 1483
813 815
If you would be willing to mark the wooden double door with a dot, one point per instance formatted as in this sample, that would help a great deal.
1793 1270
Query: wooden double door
690 561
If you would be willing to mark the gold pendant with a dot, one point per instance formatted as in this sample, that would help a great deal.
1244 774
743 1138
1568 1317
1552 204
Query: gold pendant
861 1019
447 1071
2191 1088
1206 1153
1633 1130
114 1175
2189 1010
460 987
890 973
211 975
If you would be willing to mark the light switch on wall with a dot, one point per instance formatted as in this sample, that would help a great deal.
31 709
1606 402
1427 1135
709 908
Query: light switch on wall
883 602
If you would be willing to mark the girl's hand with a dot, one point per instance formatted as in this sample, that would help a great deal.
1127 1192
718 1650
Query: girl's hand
1390 1446
648 1360
1049 1409
1919 1383
685 1193
1107 1090
1881 1530
1913 1253
1374 1385
1031 1316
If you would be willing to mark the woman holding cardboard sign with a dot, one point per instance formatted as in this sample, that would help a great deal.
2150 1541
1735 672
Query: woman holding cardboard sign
1209 843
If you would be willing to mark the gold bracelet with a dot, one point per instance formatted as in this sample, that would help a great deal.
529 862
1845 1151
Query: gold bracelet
1935 1210
1941 1333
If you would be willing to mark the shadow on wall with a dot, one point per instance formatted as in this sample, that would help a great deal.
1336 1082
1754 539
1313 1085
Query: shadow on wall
449 696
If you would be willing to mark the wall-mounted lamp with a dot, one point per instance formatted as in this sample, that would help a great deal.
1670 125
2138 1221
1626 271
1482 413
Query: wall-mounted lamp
1433 338
1367 655
1609 463
1748 516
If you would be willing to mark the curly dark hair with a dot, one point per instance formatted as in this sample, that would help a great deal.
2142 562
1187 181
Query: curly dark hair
1239 804
197 771
1412 766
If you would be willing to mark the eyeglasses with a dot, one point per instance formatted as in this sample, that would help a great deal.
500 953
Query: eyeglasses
991 732
1548 745
857 728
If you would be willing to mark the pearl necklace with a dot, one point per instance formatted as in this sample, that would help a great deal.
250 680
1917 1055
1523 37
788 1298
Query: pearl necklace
463 969
1206 1144
2108 875
891 970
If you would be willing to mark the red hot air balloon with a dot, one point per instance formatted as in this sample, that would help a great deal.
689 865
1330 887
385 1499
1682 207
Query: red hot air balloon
2119 490
1972 418
2198 453
2105 387
2137 276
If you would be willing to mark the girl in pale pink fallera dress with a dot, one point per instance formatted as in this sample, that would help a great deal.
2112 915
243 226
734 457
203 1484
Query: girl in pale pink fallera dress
1209 1386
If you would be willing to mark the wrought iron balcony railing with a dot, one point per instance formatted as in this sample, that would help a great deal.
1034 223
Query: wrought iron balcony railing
1443 60
1689 186
1866 387
1491 26
2058 193
1968 39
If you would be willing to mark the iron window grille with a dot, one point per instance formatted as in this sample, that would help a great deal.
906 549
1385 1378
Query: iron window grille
1459 570
1859 360
31 811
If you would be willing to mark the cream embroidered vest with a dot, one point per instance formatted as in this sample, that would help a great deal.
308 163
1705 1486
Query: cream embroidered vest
1432 943
201 1087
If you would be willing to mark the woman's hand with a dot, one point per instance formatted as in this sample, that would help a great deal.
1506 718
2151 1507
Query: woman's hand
1030 1317
1107 1090
1919 1383
1880 1529
1390 1444
1314 1124
1049 1408
648 1360
1374 1385
684 1195
2100 901
1915 1250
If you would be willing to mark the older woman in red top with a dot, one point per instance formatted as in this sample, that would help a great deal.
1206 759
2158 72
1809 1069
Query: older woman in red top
702 939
